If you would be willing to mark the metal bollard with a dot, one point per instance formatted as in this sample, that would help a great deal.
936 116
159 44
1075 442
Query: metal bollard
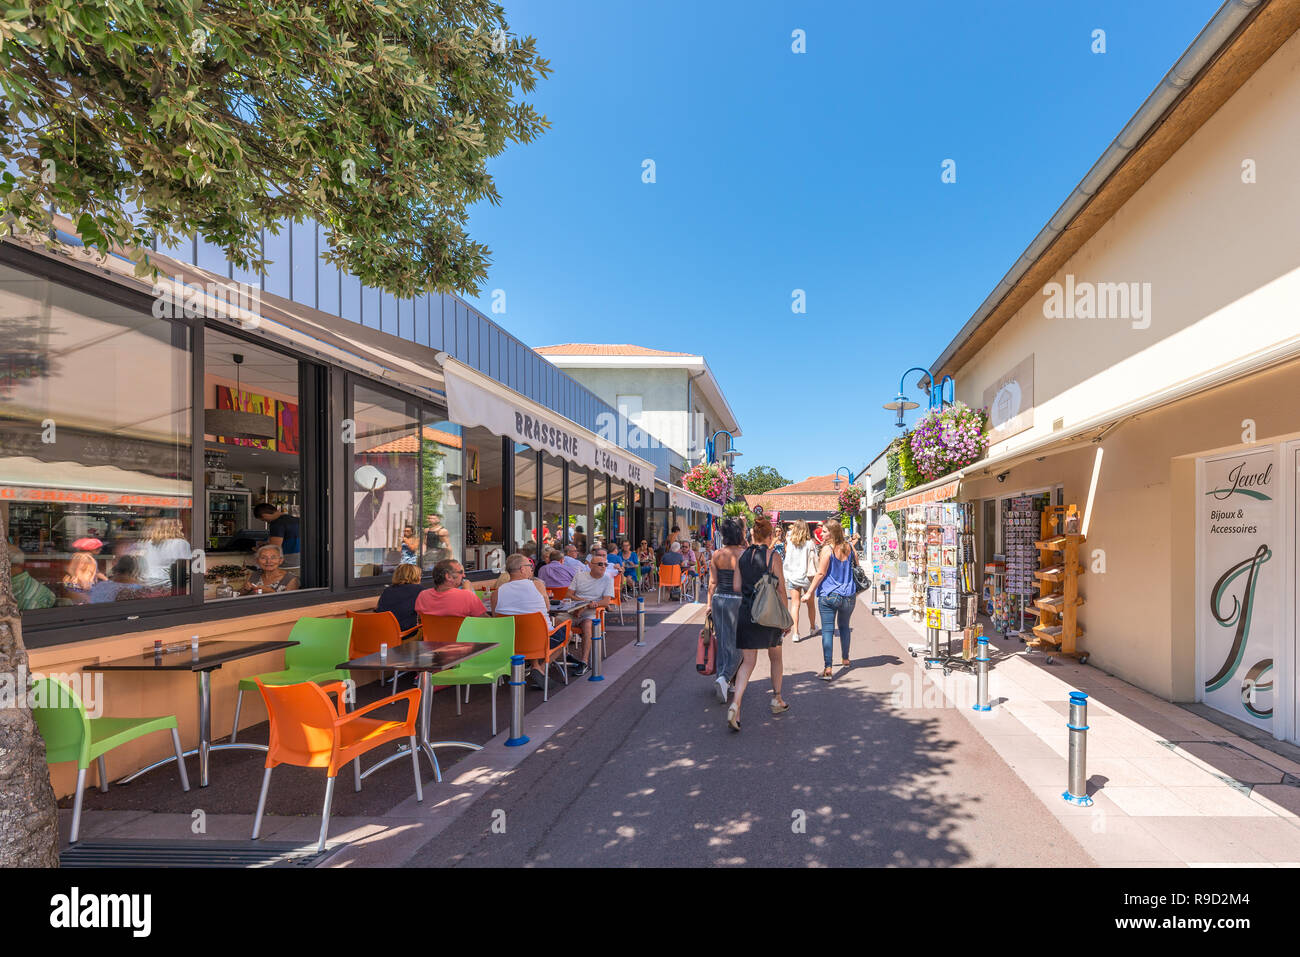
1078 790
982 677
889 600
933 635
517 736
597 650
640 621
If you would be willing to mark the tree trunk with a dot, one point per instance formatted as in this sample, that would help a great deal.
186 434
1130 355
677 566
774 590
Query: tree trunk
29 817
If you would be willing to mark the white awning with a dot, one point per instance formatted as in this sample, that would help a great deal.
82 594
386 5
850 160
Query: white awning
476 399
679 497
25 479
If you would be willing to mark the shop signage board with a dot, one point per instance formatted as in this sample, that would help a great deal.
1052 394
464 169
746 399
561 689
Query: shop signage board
475 400
884 549
1010 401
1239 587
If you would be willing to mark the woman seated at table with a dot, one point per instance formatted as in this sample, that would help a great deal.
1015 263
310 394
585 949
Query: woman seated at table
401 595
270 577
646 556
80 577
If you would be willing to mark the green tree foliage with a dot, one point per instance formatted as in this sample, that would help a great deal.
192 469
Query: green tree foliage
374 119
759 479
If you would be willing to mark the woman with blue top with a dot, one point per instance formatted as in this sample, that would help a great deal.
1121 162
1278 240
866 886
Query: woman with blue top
836 593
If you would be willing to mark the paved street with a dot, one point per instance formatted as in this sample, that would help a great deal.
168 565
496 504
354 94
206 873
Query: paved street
630 783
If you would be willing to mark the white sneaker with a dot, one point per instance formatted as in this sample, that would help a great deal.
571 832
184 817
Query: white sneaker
720 686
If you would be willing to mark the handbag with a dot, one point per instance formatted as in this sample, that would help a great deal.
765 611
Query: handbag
706 653
769 608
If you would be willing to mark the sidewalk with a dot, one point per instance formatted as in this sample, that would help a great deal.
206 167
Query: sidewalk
386 833
1169 787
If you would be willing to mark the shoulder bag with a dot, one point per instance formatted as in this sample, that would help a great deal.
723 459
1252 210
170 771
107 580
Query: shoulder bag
769 608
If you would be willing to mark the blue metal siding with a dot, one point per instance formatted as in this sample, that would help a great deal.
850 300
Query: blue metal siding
440 321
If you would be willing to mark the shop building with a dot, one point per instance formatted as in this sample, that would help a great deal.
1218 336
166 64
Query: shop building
671 398
143 422
1142 361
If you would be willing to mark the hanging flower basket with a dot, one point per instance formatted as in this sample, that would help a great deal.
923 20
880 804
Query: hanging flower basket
710 481
850 501
944 441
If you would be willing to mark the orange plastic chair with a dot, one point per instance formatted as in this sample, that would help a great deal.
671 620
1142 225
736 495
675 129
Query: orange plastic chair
670 576
533 641
370 629
439 627
618 595
559 594
309 731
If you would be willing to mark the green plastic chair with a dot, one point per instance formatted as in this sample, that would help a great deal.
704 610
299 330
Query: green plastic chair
70 735
487 668
322 644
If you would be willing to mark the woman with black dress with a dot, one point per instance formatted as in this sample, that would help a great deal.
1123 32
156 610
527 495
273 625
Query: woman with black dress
750 636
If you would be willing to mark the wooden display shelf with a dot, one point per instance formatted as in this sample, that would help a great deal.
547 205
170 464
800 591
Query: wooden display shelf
1056 573
1055 603
1058 630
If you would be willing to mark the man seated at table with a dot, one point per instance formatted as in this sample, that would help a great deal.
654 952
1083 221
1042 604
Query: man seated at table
673 556
595 587
611 569
571 560
525 595
451 595
555 574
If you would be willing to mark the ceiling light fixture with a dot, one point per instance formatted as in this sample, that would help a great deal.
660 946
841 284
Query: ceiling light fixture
236 423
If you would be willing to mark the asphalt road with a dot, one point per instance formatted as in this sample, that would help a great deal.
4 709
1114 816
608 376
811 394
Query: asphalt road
847 777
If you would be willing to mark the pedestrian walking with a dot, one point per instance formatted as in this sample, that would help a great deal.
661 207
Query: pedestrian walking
724 601
836 593
800 565
756 561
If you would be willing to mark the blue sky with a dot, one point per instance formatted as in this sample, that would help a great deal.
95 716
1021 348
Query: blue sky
819 171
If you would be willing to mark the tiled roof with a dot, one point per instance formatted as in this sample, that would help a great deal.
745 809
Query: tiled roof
598 349
794 503
814 483
408 443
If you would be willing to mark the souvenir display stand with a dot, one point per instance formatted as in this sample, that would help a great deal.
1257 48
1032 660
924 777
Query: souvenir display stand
1057 580
914 543
948 580
1020 531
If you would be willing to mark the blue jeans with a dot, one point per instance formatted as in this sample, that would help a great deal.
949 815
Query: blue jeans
834 611
726 613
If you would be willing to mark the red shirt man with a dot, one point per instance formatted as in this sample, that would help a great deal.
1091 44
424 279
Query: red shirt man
450 594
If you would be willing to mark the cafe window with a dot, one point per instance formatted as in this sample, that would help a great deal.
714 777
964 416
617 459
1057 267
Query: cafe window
579 505
386 481
443 470
600 512
96 490
485 533
618 516
257 474
525 510
554 518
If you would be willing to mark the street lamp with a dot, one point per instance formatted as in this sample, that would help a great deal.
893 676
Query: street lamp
842 468
712 448
903 404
